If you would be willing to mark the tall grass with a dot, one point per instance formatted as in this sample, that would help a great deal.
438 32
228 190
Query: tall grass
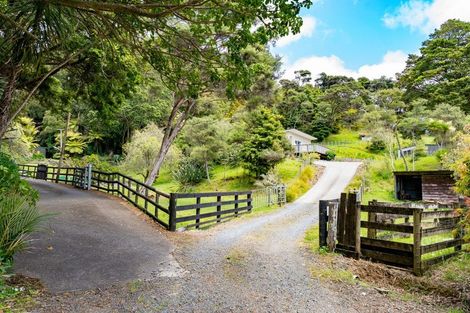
18 219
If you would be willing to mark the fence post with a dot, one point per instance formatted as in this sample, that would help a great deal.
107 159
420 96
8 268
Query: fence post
90 173
332 224
358 229
323 207
172 209
417 241
269 196
372 217
198 211
249 201
219 207
461 233
236 204
341 218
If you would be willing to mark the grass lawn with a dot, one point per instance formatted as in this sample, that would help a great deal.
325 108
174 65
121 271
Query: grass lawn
225 178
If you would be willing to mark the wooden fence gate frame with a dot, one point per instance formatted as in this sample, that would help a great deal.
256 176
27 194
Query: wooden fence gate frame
346 238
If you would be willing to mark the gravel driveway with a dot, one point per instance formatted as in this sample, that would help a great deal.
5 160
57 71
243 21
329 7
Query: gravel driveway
251 264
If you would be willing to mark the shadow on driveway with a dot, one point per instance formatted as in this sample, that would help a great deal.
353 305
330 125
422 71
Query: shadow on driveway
92 240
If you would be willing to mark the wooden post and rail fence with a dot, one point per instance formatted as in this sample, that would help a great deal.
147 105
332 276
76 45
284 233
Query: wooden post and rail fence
171 210
410 236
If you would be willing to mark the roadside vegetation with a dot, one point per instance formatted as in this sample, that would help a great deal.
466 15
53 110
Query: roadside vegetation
445 285
19 217
190 109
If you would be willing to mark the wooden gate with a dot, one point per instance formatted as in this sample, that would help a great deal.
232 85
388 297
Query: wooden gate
349 225
411 236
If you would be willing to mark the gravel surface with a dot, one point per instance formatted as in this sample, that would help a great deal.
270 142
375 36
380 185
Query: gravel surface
251 264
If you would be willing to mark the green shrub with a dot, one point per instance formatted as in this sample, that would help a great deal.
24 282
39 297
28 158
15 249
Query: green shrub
330 155
376 145
38 156
11 182
189 172
98 163
440 154
9 175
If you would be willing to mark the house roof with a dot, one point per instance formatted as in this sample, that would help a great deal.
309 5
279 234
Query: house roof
299 133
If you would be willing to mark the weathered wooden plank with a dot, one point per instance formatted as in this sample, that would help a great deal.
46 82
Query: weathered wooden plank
390 227
209 204
438 214
350 231
439 259
437 230
346 251
322 222
387 209
388 258
341 218
406 247
332 224
417 234
441 245
372 232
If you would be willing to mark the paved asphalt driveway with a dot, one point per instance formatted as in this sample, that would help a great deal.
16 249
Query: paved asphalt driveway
93 240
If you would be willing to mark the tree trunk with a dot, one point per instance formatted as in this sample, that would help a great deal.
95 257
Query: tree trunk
175 123
207 170
158 162
7 114
399 147
62 148
6 101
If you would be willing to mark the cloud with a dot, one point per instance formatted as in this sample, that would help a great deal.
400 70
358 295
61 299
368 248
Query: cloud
427 16
392 63
306 30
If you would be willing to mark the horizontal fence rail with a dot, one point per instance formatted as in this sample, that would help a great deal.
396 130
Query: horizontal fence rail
197 209
151 201
173 210
411 235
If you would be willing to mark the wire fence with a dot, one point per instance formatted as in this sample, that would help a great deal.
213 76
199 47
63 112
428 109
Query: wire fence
269 196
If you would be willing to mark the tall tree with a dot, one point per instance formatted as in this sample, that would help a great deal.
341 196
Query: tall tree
39 38
441 72
205 140
265 143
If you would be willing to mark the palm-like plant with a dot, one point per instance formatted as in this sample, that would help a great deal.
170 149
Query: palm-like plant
18 219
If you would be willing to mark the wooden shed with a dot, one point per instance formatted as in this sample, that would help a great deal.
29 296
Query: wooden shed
425 186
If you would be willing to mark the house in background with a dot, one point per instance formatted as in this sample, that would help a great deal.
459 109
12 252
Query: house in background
301 141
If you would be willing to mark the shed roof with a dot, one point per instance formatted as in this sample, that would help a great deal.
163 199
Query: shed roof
299 133
414 173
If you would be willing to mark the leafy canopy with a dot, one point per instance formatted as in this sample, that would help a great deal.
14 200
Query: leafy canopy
440 74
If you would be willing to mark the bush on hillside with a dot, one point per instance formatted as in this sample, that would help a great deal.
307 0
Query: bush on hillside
11 182
189 172
376 145
301 184
330 155
98 163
